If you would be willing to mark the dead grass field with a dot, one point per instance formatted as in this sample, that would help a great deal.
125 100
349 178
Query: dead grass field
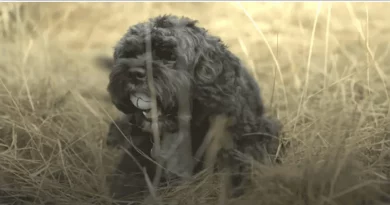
323 69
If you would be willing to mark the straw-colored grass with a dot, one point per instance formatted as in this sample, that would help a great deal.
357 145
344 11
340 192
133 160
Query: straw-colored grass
323 69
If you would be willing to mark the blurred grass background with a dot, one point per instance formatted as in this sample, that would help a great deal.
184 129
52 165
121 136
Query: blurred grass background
323 69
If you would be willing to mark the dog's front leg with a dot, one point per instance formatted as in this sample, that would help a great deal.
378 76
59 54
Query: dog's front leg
128 179
176 141
176 153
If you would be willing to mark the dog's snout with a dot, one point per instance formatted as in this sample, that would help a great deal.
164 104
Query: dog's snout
137 73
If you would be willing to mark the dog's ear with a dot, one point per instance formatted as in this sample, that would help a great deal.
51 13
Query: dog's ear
207 69
210 60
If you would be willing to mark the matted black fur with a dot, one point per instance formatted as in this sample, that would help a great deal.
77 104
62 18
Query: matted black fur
186 59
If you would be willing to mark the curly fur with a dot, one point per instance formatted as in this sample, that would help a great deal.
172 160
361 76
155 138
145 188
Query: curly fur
185 59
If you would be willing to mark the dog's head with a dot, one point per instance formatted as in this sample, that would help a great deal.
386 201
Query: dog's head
167 54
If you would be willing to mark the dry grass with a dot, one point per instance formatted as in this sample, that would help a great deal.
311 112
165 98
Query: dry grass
323 69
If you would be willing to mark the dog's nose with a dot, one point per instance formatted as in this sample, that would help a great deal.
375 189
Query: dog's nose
137 73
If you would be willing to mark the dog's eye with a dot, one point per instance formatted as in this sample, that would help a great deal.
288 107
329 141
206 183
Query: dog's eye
137 73
165 54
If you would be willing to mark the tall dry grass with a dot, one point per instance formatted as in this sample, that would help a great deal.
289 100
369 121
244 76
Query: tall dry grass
323 69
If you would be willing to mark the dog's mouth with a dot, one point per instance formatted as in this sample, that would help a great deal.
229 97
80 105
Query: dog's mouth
143 102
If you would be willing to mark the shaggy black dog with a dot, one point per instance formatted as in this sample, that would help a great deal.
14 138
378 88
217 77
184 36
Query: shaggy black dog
188 68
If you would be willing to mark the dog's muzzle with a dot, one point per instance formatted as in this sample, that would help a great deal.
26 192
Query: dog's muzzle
143 102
